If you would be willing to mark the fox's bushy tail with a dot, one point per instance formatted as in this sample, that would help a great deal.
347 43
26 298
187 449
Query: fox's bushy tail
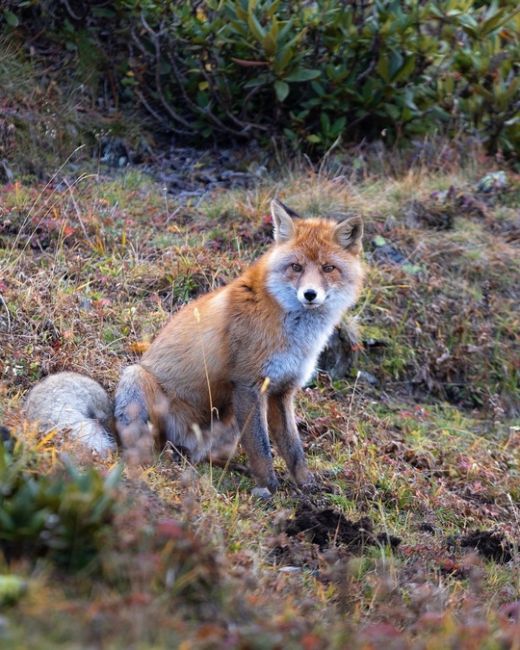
68 400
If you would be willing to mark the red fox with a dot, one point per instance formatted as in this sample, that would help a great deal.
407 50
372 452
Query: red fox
233 359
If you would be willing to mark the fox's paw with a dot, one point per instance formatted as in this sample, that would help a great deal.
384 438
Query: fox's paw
306 481
261 492
311 486
266 491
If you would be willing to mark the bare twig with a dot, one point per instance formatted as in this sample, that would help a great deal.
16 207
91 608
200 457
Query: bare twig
77 211
7 313
245 127
155 36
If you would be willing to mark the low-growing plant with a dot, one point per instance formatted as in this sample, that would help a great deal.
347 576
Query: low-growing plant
308 73
61 516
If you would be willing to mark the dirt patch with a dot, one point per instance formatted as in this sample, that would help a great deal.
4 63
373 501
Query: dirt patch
190 173
507 228
439 210
428 215
492 545
388 540
328 527
388 254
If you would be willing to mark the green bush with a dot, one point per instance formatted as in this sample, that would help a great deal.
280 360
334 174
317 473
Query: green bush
307 72
62 516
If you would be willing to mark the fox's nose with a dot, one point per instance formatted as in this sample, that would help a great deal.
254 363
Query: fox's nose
310 295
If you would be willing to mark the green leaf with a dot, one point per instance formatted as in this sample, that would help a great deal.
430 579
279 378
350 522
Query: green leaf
439 113
11 19
382 68
469 25
256 29
269 44
409 100
283 58
393 110
261 80
281 89
303 75
406 69
496 21
275 29
338 126
318 88
287 53
436 11
240 12
325 122
290 135
395 63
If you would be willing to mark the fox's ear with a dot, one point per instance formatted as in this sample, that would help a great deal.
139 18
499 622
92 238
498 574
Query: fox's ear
282 222
348 233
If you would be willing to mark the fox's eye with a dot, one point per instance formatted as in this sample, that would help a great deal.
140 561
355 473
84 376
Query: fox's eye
297 268
328 268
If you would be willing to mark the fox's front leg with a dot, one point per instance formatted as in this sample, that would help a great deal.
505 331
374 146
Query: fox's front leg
282 426
250 407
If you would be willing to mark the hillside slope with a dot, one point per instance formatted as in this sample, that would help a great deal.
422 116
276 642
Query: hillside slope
412 540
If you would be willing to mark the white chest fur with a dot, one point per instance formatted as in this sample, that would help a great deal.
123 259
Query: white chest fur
306 334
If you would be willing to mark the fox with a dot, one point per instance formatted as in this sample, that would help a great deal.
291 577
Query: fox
229 363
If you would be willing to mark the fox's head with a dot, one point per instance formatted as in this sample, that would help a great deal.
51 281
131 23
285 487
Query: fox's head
315 263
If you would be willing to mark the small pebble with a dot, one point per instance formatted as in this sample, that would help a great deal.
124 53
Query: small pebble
289 569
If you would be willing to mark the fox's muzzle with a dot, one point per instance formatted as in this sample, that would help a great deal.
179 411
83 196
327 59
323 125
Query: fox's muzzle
311 297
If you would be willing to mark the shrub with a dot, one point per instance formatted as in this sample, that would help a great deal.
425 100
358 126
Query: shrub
79 520
307 72
61 516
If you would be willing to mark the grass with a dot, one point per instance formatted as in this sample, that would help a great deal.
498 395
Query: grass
90 270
